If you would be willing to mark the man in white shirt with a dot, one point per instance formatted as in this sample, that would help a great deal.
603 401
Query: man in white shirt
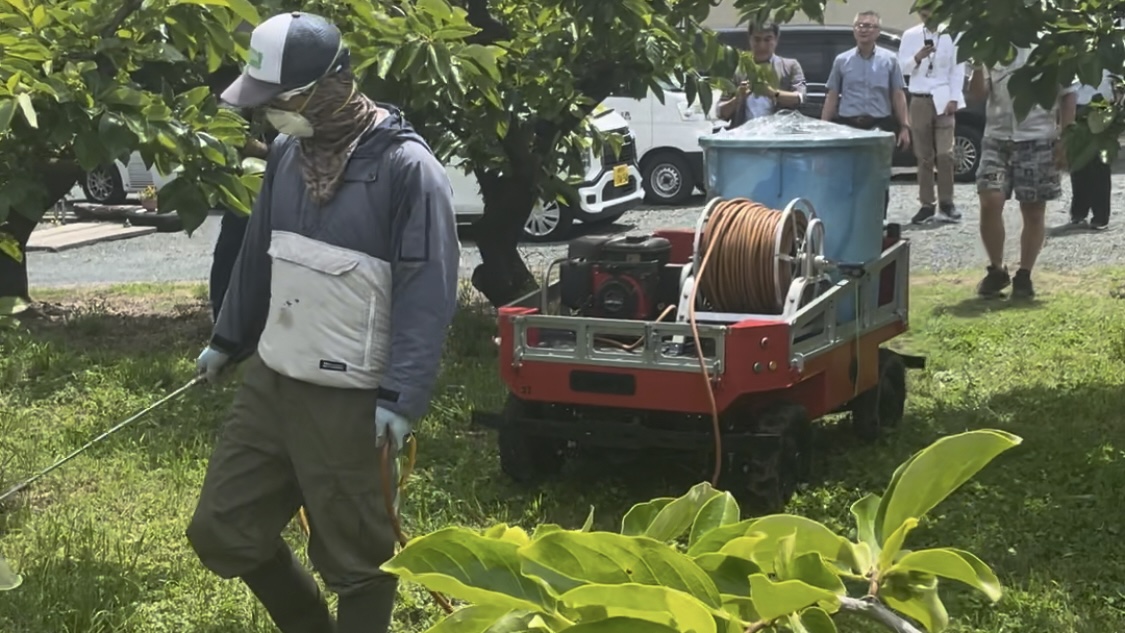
1090 186
1020 158
929 59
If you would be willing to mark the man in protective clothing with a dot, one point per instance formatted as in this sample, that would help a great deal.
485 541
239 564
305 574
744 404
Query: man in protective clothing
339 305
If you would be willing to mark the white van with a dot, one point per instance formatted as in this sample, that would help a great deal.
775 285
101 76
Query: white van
670 158
610 186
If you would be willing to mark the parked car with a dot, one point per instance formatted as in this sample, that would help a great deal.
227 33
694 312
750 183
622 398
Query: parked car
816 46
116 183
671 160
609 187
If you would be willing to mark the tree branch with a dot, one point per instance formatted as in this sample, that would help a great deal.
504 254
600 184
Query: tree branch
491 29
877 612
127 8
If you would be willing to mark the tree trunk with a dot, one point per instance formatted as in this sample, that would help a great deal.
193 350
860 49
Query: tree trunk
502 276
13 274
60 178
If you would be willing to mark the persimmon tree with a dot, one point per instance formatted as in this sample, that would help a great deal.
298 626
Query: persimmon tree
84 83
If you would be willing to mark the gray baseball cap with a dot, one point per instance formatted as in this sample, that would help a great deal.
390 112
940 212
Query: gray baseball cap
287 52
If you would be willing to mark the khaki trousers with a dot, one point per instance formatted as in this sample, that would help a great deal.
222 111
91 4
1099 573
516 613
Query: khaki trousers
932 139
286 444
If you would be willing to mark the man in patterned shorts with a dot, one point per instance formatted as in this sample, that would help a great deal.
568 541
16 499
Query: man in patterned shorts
1021 158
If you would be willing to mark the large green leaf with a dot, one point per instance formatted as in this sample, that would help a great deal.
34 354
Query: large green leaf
916 599
665 521
894 544
644 602
469 566
953 564
809 536
621 625
775 599
865 511
714 540
566 560
935 472
8 579
719 511
731 574
477 618
817 620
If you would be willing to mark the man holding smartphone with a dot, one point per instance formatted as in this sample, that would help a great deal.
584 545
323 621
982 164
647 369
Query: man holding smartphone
936 83
760 98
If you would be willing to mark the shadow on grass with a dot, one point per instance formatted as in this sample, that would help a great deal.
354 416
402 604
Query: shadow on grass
975 306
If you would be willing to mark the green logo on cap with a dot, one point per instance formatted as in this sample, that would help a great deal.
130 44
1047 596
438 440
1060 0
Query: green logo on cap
255 58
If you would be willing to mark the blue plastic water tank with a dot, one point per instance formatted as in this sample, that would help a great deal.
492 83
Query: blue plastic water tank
844 172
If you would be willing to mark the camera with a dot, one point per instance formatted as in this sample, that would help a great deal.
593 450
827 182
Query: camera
928 42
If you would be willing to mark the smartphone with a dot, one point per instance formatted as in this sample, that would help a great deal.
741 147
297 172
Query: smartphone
928 42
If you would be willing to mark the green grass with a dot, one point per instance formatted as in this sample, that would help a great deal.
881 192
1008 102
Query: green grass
100 542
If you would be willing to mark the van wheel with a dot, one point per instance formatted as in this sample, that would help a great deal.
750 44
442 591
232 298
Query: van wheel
667 178
549 222
966 153
103 185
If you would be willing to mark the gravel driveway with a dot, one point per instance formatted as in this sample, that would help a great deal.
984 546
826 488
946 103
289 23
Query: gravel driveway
176 257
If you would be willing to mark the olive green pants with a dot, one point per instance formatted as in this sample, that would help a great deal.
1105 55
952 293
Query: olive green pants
288 443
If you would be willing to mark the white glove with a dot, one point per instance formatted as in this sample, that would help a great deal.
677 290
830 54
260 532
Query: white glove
211 363
389 423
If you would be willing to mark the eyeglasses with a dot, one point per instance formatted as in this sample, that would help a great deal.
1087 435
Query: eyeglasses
866 26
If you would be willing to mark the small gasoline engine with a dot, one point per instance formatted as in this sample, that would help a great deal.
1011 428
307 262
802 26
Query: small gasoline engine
622 277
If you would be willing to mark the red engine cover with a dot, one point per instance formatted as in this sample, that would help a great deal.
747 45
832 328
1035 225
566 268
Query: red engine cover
619 295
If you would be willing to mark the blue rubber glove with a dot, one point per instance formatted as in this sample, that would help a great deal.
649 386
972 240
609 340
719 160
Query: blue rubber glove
211 363
392 425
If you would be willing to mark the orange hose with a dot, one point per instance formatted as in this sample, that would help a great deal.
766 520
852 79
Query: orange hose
744 278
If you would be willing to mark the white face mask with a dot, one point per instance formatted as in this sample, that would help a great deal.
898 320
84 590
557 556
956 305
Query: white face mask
290 123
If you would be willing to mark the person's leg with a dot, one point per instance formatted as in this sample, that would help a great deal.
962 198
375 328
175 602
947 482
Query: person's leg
1079 195
1101 190
1036 183
249 495
331 440
922 141
943 146
993 188
231 233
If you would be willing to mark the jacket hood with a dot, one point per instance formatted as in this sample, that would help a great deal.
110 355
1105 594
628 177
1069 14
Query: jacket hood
392 130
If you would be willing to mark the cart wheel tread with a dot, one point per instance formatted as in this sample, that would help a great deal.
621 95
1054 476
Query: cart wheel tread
524 457
883 406
766 477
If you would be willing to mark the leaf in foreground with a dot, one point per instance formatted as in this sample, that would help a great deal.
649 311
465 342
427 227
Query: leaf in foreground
566 560
621 625
935 472
8 579
468 566
775 599
953 564
645 602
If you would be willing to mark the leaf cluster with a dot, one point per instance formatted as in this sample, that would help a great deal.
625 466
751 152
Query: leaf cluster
692 564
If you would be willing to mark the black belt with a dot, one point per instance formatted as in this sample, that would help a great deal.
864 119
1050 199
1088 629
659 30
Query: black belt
922 95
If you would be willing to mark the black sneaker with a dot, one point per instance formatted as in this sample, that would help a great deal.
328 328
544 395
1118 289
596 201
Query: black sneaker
994 282
1095 226
925 214
1078 223
1022 288
949 212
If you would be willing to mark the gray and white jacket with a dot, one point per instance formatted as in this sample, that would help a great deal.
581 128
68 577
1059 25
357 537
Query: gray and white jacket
357 293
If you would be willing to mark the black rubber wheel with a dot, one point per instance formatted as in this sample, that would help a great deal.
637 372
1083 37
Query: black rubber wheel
766 477
882 406
524 457
103 185
667 178
967 141
164 222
